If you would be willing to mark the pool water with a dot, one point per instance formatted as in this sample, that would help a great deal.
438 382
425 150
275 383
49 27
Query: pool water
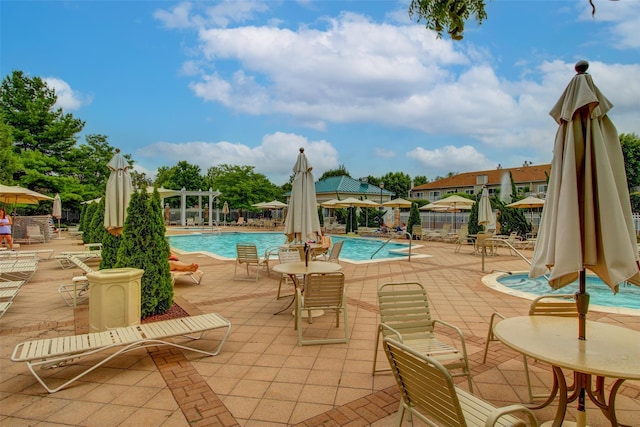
628 295
224 245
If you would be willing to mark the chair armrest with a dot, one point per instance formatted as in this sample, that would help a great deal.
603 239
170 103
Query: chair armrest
458 330
390 329
496 414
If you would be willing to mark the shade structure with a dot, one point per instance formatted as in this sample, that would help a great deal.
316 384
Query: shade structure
275 204
302 222
330 203
352 202
164 192
20 195
527 203
586 221
56 210
397 203
486 217
118 194
530 203
453 203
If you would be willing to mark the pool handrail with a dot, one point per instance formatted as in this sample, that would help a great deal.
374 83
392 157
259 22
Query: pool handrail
402 233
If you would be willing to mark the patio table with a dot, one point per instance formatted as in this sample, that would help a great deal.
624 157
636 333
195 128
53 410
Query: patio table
294 269
608 352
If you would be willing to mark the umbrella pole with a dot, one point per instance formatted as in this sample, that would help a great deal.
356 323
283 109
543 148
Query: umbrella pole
582 304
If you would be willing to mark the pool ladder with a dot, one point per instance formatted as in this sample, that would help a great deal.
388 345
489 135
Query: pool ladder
390 239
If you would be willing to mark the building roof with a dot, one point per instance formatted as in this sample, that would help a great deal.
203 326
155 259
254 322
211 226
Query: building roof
344 184
521 174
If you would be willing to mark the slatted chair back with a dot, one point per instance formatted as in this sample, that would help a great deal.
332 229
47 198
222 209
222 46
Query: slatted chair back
562 305
322 291
286 255
247 253
428 392
416 231
427 388
334 255
405 308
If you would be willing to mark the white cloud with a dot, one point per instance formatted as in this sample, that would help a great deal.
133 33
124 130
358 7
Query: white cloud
450 159
68 99
624 17
384 153
274 157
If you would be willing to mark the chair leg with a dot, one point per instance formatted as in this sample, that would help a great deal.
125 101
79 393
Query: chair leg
490 336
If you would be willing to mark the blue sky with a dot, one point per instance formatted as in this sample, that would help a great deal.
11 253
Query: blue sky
354 82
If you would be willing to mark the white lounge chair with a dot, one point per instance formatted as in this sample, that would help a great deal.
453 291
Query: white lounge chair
4 306
79 287
60 351
17 269
194 276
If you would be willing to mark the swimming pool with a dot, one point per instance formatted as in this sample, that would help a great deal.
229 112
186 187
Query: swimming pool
223 245
628 296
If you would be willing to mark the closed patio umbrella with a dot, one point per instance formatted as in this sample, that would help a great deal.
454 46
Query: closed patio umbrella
118 194
486 217
586 221
56 210
302 222
225 210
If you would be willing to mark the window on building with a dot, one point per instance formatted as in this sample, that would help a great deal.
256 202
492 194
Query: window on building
434 195
481 179
493 191
542 188
469 191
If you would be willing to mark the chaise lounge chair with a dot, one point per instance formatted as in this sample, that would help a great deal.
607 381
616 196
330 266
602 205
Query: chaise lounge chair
59 351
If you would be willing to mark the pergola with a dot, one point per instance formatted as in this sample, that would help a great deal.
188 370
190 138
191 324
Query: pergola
211 194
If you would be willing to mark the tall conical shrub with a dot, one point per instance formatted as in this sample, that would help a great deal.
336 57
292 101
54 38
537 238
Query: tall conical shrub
414 218
143 246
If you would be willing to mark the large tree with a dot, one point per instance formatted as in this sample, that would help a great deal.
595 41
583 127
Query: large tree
8 158
28 105
241 186
451 15
631 150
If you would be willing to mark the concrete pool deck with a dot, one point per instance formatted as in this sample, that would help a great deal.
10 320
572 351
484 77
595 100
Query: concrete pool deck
261 377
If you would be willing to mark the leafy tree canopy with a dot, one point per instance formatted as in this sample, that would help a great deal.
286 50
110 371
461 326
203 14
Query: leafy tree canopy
241 186
631 150
397 182
340 171
451 15
420 179
27 104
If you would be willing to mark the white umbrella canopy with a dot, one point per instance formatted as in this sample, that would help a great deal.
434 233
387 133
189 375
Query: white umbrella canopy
119 190
586 221
453 203
330 203
530 202
397 203
274 204
302 222
486 217
19 195
352 202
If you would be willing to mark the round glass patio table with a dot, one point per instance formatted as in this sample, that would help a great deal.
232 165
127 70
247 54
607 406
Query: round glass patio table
300 268
608 352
